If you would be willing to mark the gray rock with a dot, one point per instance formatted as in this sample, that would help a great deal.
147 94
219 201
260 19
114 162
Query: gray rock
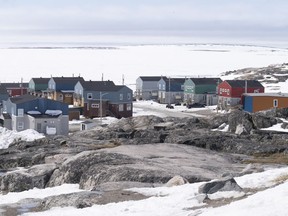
150 163
228 184
25 179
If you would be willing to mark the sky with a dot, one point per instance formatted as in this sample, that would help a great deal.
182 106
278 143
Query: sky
88 20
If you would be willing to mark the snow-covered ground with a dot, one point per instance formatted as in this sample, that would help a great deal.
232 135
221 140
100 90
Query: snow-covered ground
8 136
114 62
181 200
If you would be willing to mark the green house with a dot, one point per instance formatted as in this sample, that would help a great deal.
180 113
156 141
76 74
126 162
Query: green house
38 86
201 90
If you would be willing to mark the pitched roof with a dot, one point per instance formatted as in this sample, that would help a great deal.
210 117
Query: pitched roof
98 85
22 99
242 83
69 80
14 85
151 78
41 80
203 81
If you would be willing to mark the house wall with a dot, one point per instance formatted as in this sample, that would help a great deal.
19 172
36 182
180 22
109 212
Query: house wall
90 112
61 123
146 90
13 92
114 108
259 103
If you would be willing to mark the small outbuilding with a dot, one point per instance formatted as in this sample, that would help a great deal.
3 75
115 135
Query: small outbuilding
255 102
86 125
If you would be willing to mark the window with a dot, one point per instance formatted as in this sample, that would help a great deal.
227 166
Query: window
89 96
20 125
159 86
68 95
20 112
163 87
94 105
121 97
129 96
129 107
121 107
275 103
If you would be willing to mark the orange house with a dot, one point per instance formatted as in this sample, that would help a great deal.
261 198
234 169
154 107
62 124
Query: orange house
255 102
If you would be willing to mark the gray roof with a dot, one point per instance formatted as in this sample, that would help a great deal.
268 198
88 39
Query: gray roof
206 81
151 78
41 80
14 85
23 99
242 83
98 85
266 94
69 80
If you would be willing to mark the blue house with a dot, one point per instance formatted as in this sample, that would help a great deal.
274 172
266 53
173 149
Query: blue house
102 98
62 88
147 87
170 90
30 112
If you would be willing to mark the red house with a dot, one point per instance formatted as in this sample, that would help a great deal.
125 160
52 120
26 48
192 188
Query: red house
230 92
16 89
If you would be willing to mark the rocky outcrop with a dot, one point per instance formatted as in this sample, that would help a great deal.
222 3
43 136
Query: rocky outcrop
151 163
25 179
228 184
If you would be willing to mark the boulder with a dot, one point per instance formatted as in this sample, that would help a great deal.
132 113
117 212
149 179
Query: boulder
176 181
25 179
227 184
261 121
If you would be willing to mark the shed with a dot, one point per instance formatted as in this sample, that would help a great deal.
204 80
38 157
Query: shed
255 102
86 125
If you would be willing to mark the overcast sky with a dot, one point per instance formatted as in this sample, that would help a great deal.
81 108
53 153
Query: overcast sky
24 19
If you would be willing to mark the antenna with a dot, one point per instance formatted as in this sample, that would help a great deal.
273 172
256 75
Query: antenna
102 77
122 79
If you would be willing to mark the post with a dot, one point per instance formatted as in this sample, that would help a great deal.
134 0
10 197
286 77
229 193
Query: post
101 95
169 97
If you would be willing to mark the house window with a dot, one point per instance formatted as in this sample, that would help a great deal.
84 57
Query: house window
20 112
129 96
129 107
68 95
60 96
121 107
163 87
121 97
95 106
275 103
89 96
20 125
159 86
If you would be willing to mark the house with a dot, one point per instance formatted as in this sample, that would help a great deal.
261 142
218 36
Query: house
38 87
230 92
3 94
201 90
16 89
171 90
255 102
103 98
147 87
62 88
41 114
